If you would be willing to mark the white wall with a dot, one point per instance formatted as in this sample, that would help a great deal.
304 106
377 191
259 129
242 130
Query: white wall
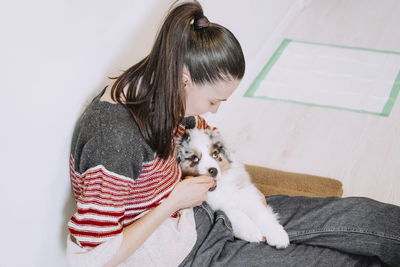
54 56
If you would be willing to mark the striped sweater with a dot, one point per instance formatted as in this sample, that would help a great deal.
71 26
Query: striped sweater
116 177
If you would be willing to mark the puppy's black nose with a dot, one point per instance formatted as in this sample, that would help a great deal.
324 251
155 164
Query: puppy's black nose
213 172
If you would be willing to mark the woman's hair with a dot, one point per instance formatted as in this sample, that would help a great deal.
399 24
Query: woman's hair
155 94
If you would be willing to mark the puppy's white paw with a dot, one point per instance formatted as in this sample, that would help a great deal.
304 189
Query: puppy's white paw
251 234
277 237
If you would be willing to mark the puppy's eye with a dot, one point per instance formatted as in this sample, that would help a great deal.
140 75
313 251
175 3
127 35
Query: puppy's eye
215 154
194 159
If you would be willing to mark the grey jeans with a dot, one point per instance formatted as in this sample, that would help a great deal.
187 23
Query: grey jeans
323 232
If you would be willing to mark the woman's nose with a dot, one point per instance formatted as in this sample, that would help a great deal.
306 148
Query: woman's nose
215 108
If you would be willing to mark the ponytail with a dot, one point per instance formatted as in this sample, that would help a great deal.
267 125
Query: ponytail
155 94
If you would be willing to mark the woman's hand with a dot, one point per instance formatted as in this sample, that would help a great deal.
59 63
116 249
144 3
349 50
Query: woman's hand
187 193
191 192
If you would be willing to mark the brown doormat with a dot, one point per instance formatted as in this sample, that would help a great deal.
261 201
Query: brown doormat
276 182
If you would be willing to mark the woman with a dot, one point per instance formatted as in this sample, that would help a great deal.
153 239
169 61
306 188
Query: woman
132 208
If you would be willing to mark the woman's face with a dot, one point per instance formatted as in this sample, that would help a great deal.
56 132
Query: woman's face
205 98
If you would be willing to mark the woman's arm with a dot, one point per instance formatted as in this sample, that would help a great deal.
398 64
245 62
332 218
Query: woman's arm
187 193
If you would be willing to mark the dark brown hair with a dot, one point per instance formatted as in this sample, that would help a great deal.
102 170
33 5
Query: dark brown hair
155 94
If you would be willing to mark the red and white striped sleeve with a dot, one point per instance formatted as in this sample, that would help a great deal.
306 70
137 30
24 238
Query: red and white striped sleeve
103 173
101 196
96 227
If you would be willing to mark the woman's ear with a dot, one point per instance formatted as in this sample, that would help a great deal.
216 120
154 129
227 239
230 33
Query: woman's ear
186 79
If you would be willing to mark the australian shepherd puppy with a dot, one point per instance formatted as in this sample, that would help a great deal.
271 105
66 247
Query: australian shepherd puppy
202 152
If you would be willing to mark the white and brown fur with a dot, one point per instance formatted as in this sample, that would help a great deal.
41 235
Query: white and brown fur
202 152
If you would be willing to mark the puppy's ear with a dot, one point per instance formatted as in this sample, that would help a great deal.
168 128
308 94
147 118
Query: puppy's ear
185 138
215 137
179 158
181 142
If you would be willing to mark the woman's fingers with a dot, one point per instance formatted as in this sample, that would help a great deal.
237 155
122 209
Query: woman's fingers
191 191
206 180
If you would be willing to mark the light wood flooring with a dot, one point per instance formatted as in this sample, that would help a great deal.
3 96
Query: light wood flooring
361 150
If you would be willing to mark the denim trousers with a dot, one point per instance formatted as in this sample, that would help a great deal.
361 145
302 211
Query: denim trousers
330 231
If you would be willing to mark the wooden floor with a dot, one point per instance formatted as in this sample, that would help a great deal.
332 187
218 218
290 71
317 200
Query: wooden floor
361 150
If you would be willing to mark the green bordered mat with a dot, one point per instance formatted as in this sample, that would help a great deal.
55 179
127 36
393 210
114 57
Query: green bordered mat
330 76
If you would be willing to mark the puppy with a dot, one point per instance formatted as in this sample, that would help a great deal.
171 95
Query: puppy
202 152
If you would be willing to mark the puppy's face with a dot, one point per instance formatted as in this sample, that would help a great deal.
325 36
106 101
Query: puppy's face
202 152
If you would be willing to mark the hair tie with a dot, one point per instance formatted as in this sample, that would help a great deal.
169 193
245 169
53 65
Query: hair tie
201 23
